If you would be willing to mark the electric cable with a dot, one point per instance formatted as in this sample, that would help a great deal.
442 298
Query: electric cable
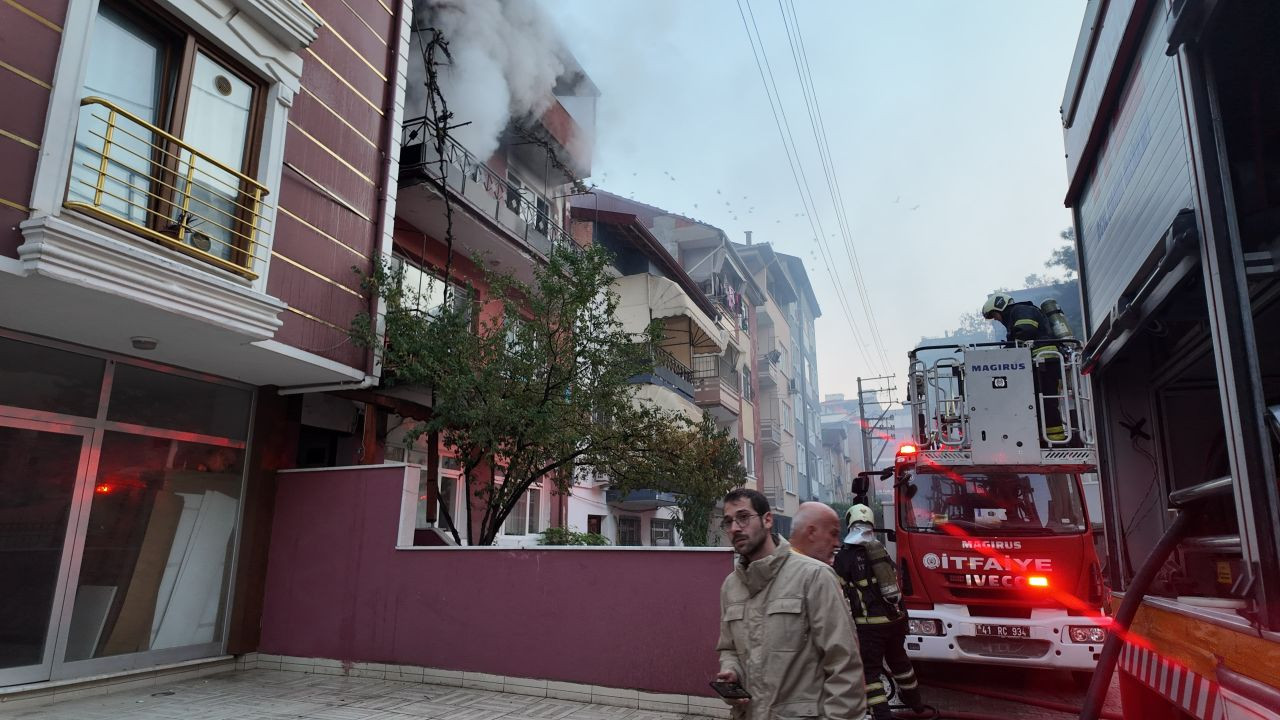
780 119
817 123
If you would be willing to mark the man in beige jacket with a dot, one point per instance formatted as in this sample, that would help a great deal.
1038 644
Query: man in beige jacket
785 629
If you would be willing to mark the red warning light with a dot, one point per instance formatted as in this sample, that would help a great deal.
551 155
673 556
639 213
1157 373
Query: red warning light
103 489
1038 581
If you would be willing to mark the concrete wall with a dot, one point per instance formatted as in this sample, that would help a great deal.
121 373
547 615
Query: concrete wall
338 588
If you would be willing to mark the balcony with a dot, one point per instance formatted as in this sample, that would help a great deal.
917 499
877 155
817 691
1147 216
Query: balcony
715 388
668 372
497 217
139 178
769 373
771 435
639 500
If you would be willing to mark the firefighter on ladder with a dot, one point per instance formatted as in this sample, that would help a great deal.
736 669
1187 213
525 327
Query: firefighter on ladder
1024 321
871 585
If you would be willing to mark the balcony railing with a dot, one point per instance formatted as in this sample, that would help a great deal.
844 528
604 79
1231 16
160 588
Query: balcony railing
771 433
488 192
130 173
664 359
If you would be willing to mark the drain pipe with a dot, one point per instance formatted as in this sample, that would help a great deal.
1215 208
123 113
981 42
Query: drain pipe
390 143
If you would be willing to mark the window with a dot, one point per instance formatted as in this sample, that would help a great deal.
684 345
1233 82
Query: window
662 532
628 530
747 393
788 420
749 458
165 139
789 478
521 199
595 523
994 503
424 290
526 517
800 456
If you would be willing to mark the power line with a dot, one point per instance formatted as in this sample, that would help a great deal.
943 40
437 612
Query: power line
806 197
804 71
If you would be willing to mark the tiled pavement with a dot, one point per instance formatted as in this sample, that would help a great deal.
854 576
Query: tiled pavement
282 695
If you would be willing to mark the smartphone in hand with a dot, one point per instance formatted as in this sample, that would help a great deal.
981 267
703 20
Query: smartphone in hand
730 690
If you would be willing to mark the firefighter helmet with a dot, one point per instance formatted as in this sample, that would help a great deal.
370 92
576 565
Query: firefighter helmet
859 513
996 302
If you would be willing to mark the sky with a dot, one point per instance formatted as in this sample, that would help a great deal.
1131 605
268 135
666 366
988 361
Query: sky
944 134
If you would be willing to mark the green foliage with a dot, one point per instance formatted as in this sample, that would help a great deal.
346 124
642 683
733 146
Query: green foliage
1064 256
525 386
565 536
698 462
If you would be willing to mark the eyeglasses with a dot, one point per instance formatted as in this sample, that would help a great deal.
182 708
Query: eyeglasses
741 520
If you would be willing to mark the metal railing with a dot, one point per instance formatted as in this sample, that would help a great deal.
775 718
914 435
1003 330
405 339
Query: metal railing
130 173
664 359
477 183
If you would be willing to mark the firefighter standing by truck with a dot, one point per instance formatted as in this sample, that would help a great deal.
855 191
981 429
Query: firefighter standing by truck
1025 321
871 584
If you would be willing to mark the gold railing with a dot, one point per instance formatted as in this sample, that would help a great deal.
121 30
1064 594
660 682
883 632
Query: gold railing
132 174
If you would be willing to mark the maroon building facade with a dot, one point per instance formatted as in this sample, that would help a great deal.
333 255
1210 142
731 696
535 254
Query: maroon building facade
190 193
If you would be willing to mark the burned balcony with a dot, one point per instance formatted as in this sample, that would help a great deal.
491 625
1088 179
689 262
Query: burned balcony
490 211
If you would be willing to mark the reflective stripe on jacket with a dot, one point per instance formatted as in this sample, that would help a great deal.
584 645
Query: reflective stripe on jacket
785 630
1024 321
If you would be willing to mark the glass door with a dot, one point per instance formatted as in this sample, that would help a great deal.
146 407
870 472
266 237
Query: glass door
42 466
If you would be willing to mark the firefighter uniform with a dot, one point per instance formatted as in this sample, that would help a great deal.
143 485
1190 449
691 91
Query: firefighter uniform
1024 321
871 585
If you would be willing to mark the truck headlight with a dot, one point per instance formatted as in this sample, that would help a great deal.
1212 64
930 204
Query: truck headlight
924 627
1091 634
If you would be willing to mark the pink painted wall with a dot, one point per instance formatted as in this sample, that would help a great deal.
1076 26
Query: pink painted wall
337 588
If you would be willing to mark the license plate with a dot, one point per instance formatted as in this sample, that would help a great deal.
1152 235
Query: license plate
1004 631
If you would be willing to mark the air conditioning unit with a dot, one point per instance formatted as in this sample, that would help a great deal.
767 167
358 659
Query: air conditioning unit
774 356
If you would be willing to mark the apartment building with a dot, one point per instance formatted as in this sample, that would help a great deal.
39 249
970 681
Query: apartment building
774 376
812 480
186 188
651 285
511 208
724 383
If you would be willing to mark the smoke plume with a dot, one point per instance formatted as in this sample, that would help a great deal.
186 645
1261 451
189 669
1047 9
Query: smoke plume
506 58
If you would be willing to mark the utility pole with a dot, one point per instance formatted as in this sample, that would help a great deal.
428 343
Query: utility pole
868 429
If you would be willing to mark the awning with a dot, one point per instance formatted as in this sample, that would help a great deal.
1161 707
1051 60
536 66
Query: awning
669 300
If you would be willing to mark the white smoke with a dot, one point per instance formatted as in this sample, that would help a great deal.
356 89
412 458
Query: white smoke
506 58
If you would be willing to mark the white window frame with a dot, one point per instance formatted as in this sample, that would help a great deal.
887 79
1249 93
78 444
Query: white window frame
789 478
666 525
749 458
529 513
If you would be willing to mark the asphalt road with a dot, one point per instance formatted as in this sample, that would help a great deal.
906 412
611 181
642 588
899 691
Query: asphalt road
1052 685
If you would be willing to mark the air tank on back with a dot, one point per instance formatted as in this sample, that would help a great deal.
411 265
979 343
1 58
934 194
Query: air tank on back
1058 326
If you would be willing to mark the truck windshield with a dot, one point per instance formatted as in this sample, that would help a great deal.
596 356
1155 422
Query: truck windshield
995 503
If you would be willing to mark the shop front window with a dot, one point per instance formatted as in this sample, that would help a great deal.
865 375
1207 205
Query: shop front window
157 551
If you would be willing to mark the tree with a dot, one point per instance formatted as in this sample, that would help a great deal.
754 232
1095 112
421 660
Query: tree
526 385
1064 256
696 461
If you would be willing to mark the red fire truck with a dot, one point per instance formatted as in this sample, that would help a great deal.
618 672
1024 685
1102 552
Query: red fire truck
993 538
